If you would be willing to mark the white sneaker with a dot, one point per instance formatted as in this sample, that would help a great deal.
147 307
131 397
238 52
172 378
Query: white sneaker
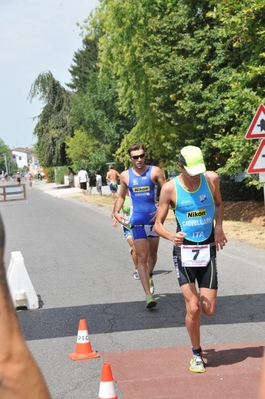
136 275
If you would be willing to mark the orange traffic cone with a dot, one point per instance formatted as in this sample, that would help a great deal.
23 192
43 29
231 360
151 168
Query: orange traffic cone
83 348
107 387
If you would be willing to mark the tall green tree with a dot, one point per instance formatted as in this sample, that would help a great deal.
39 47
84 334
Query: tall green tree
192 70
125 27
84 150
94 103
97 112
84 64
54 122
240 67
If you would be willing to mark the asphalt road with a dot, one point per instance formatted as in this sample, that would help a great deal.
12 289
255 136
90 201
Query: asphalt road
80 267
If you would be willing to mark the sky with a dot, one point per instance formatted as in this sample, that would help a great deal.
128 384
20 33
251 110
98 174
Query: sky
35 36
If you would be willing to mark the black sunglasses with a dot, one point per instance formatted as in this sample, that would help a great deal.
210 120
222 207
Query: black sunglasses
138 156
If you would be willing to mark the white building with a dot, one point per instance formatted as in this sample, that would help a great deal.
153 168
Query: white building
23 156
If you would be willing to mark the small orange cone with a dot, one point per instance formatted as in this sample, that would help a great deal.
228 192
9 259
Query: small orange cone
107 387
83 348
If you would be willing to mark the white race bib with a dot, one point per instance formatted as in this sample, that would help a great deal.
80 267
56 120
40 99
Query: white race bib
195 255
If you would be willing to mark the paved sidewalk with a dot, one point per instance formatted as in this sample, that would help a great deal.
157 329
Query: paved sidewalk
56 190
63 191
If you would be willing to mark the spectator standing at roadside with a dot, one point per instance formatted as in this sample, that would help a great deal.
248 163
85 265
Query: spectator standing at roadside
98 182
196 200
71 177
112 178
18 178
83 179
20 375
141 181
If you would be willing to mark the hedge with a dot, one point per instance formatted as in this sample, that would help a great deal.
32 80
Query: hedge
238 191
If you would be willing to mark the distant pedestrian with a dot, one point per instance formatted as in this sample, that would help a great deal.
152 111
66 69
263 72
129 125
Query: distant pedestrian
112 178
98 182
83 179
71 176
30 179
18 178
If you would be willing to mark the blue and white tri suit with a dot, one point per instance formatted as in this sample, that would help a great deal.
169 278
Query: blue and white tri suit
143 193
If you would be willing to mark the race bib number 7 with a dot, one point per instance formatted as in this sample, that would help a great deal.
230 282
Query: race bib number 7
195 255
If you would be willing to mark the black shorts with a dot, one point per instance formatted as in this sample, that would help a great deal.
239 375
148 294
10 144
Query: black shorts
83 185
206 276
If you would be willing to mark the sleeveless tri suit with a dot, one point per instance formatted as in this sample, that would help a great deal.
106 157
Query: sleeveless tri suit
143 193
196 258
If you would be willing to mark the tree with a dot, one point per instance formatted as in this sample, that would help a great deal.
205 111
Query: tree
84 150
5 157
96 111
80 146
166 73
54 122
85 63
193 72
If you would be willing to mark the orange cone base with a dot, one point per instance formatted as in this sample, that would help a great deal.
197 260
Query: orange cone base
83 356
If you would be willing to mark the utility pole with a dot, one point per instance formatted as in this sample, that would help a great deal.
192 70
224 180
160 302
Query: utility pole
6 163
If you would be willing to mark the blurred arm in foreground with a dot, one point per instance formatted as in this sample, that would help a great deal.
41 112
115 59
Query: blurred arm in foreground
262 380
20 376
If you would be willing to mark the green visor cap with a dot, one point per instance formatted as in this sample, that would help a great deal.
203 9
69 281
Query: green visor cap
191 159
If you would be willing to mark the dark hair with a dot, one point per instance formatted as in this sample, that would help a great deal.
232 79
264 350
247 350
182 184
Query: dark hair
182 160
136 147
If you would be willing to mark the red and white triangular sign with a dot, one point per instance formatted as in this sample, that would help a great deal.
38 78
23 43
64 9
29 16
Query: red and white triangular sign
256 129
258 162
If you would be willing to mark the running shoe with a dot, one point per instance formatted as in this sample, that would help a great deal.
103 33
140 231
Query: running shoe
136 275
151 285
197 364
150 302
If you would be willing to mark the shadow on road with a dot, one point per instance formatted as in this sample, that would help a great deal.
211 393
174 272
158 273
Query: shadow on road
131 316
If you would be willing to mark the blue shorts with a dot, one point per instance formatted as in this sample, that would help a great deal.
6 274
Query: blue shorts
143 231
113 186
